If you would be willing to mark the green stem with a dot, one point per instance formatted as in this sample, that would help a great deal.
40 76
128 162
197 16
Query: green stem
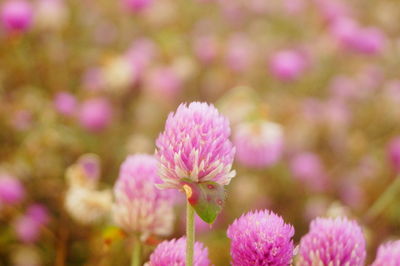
136 253
189 234
383 201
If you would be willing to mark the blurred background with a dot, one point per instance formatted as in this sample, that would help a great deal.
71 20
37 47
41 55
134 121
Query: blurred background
100 77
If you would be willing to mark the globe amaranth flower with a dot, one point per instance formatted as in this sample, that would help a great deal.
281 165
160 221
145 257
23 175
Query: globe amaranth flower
332 241
11 190
288 65
388 254
17 15
258 144
261 238
140 207
195 145
95 114
393 153
28 226
173 252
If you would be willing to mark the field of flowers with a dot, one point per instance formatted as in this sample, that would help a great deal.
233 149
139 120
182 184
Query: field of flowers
200 132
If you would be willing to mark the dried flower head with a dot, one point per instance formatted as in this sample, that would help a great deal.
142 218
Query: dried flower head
334 242
195 145
261 238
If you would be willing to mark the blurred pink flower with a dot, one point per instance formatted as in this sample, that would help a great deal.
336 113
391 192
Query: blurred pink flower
11 190
17 15
393 153
38 213
288 65
332 10
258 144
28 226
164 83
239 53
206 48
140 55
65 103
307 167
95 114
388 254
136 5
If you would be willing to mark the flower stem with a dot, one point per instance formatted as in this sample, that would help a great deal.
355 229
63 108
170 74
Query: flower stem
382 202
189 234
136 253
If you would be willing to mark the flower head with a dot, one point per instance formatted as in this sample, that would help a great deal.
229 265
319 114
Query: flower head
65 103
95 114
173 253
393 151
195 145
334 242
11 190
16 15
388 254
140 206
288 65
258 144
261 238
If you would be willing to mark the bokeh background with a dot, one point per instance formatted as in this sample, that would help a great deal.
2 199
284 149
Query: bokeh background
100 77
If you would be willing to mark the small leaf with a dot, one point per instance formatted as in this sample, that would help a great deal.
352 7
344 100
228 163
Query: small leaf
207 198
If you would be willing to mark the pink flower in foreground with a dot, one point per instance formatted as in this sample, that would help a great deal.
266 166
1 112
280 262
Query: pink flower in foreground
195 145
258 144
16 15
261 238
95 114
173 252
11 190
334 242
388 254
140 207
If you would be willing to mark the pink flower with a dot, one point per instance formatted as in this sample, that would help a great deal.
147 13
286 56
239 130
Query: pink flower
308 168
206 48
288 65
240 53
195 145
11 190
258 144
136 5
261 238
95 114
173 252
28 226
16 15
393 153
65 103
336 241
140 207
388 254
164 82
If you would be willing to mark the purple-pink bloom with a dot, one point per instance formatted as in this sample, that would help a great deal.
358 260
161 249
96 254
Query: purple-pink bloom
136 5
164 82
258 144
65 103
388 254
95 114
240 53
333 241
393 153
308 168
140 207
195 145
27 229
173 252
11 190
288 65
16 15
261 238
38 213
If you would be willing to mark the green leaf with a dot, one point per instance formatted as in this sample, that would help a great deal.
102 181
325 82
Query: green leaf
207 198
